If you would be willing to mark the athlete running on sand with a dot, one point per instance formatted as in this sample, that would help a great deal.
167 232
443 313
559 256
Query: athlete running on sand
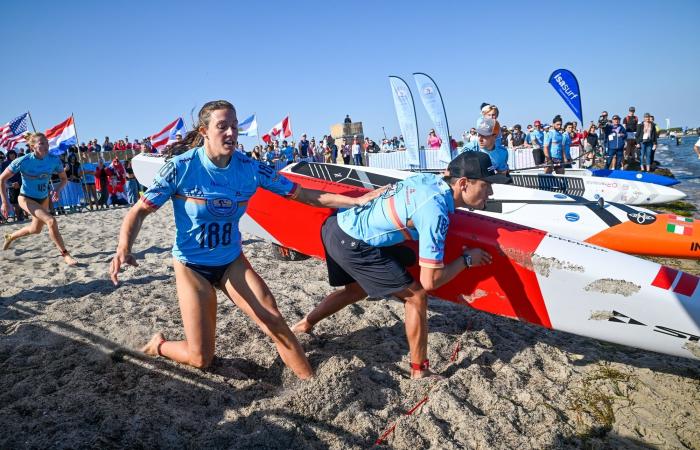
359 254
210 186
36 169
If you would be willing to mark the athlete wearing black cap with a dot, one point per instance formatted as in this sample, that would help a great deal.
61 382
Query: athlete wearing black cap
362 257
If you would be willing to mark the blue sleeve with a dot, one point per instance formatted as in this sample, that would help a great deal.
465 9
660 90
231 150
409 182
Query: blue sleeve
16 165
431 222
58 167
272 181
504 160
163 188
548 138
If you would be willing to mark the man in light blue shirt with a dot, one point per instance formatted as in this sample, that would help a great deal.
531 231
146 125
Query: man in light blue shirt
488 129
287 152
363 256
555 148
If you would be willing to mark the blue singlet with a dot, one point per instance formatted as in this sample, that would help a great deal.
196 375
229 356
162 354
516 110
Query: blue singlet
425 199
36 174
208 202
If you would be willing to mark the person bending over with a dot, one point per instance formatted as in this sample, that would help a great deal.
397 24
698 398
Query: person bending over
361 258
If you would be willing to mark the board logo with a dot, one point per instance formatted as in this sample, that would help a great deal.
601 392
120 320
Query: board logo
572 217
641 218
560 196
221 207
621 318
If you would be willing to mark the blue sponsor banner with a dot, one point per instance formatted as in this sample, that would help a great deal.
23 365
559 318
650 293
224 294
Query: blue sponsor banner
566 85
406 114
432 101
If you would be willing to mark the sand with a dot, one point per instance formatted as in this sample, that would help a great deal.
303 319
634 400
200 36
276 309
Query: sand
70 376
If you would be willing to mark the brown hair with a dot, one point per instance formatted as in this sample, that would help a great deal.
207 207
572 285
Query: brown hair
193 138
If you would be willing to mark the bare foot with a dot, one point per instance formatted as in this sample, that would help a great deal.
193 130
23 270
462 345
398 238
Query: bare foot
303 326
427 373
8 241
69 260
152 347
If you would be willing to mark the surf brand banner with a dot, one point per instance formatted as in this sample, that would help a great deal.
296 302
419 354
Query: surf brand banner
406 114
566 85
432 101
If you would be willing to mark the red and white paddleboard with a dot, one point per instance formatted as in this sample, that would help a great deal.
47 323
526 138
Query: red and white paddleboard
556 282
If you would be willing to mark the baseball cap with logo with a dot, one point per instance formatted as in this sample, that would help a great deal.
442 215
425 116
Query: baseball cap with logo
487 126
476 166
538 123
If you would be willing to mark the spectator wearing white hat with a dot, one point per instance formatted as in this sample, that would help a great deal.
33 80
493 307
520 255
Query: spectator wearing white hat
488 129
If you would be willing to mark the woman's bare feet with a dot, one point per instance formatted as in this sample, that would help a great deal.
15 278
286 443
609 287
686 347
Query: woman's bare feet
303 326
69 260
8 241
152 347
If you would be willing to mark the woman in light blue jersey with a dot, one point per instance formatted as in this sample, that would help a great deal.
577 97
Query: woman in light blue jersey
210 186
36 169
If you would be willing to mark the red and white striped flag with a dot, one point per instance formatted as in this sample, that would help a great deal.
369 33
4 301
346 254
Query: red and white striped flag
168 134
284 128
12 133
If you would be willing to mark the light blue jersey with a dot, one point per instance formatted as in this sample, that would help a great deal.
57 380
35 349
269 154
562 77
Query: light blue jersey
499 154
288 153
208 202
36 174
566 144
554 139
89 172
537 138
425 200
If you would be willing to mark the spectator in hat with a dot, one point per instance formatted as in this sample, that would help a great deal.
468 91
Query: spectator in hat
434 141
488 129
615 135
646 141
630 123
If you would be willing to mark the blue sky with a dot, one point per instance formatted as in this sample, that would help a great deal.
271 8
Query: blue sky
130 67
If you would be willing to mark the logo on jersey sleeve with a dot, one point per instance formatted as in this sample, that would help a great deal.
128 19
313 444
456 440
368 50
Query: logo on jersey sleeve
221 206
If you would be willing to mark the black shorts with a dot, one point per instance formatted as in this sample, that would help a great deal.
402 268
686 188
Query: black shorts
38 200
380 271
213 274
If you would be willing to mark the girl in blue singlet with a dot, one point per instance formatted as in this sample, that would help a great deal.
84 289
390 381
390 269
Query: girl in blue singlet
209 186
36 169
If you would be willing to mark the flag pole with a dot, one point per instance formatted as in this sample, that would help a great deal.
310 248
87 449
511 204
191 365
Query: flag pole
31 121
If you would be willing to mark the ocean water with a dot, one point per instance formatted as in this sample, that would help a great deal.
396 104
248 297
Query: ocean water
685 165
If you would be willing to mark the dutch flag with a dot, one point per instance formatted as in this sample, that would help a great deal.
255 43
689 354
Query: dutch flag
61 137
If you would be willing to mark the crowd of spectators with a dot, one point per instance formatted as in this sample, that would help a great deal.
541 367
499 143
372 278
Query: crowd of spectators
621 142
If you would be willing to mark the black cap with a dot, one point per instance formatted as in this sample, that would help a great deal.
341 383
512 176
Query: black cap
476 166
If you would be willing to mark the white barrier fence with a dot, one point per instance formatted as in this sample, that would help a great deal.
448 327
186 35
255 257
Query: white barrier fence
518 158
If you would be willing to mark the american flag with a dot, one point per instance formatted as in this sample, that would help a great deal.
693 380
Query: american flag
12 133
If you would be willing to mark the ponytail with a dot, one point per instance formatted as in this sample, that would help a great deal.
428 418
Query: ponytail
193 138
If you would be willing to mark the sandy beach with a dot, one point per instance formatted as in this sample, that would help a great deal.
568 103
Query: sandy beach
71 375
